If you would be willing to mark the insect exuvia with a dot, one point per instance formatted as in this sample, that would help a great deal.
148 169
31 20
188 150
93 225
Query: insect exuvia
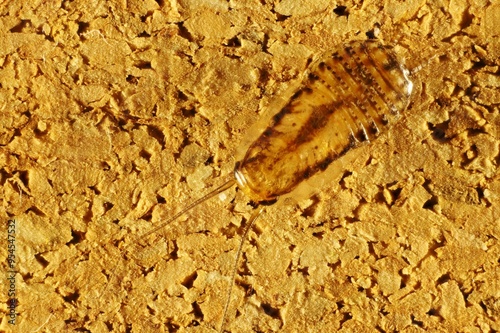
347 97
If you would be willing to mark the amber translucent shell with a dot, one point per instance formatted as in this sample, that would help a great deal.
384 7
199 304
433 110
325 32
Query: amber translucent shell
350 95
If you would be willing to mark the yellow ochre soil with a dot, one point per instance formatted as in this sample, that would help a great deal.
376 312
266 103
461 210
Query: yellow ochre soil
117 114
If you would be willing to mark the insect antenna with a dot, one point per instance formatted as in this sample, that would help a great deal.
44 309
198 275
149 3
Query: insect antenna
227 185
255 215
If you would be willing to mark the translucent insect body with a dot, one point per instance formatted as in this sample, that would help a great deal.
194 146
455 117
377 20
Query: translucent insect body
349 96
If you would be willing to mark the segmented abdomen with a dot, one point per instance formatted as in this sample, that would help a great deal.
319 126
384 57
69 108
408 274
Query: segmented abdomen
350 95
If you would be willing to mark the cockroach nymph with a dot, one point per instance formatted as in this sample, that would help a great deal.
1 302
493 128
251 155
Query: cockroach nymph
347 97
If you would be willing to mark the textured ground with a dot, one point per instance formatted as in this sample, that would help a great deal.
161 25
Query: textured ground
117 114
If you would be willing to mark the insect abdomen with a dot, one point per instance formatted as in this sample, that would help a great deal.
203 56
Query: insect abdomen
349 96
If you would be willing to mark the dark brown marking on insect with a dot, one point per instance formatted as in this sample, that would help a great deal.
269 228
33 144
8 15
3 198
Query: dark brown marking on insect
348 69
349 50
307 90
390 65
278 116
351 145
359 76
267 202
263 141
366 78
309 61
384 120
317 121
312 77
319 166
297 94
361 134
373 129
268 132
306 174
337 56
300 92
250 160
325 163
